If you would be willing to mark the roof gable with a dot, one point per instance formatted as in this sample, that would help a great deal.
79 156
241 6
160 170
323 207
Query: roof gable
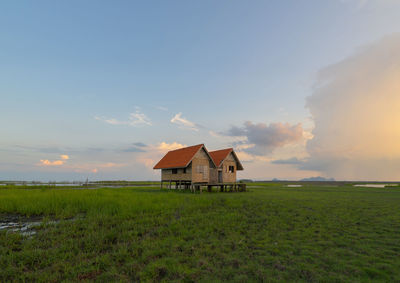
180 158
219 156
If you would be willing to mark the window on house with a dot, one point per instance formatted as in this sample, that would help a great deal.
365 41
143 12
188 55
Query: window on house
184 170
231 169
174 171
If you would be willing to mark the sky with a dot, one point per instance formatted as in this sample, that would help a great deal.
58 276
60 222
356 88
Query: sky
103 89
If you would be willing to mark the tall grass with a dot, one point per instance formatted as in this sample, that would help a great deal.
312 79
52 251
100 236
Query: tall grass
272 233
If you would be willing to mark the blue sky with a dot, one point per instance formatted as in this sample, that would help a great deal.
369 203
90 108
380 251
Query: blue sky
89 79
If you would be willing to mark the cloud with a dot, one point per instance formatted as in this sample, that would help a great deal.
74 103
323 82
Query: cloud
138 118
93 167
135 119
81 167
355 108
214 134
248 157
133 148
183 122
147 162
154 153
42 149
263 139
139 144
259 169
239 142
46 162
165 147
110 165
101 161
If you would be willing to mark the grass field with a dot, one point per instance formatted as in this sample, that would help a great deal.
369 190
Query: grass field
271 233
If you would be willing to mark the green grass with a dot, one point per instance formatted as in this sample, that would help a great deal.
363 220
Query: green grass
272 233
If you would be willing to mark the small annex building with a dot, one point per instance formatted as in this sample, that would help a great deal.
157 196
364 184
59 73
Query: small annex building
227 163
196 166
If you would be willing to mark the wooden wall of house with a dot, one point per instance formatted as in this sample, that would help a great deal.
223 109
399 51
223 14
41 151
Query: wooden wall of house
213 175
206 174
166 174
228 177
201 159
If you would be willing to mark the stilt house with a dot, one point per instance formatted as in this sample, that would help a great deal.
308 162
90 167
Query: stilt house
194 165
227 163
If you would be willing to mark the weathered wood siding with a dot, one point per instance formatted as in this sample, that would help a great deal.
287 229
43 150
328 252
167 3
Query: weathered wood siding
228 177
214 175
201 164
166 174
201 170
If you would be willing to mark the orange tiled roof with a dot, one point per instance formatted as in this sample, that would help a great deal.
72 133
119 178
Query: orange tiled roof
178 158
219 155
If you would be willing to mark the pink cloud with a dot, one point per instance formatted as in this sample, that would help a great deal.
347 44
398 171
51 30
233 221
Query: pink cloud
46 162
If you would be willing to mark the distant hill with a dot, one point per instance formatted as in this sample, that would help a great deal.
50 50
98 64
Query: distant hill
317 179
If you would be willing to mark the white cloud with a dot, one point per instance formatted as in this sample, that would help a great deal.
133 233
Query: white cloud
138 118
135 119
183 122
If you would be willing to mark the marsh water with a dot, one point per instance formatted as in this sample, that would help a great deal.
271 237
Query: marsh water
27 226
375 185
22 225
